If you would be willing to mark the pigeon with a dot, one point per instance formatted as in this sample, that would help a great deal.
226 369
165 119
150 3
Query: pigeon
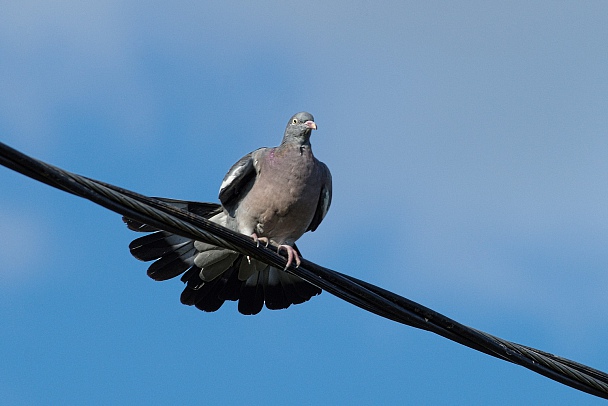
273 195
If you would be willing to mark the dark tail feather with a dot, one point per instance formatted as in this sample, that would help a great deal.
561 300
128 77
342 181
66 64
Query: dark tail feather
209 296
251 294
171 265
274 294
155 245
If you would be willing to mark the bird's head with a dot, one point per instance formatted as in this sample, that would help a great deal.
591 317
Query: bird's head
299 128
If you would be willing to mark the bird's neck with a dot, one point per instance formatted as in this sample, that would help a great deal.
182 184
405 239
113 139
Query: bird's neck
296 141
289 147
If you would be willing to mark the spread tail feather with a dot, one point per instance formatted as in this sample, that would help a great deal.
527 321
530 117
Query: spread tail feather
214 275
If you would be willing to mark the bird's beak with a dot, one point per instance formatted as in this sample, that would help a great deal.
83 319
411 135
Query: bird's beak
311 125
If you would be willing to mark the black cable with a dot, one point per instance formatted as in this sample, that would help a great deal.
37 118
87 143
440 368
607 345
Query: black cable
360 293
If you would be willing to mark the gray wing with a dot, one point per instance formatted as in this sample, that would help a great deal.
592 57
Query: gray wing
324 198
238 180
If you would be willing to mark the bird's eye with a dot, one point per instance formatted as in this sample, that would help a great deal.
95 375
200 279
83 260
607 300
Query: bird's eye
294 121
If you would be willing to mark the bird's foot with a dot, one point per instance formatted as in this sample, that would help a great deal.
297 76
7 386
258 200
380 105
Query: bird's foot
292 255
257 240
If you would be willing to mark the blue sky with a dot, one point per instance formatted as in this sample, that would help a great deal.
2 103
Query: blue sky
468 147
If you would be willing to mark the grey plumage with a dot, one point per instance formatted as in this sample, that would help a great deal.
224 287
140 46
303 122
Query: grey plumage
272 194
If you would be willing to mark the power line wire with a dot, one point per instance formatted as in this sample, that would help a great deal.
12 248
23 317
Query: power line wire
357 292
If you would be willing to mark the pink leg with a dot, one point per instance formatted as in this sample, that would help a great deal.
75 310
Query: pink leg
291 255
257 239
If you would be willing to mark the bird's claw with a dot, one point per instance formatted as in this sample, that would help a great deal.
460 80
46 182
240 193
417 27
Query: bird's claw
257 240
292 255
